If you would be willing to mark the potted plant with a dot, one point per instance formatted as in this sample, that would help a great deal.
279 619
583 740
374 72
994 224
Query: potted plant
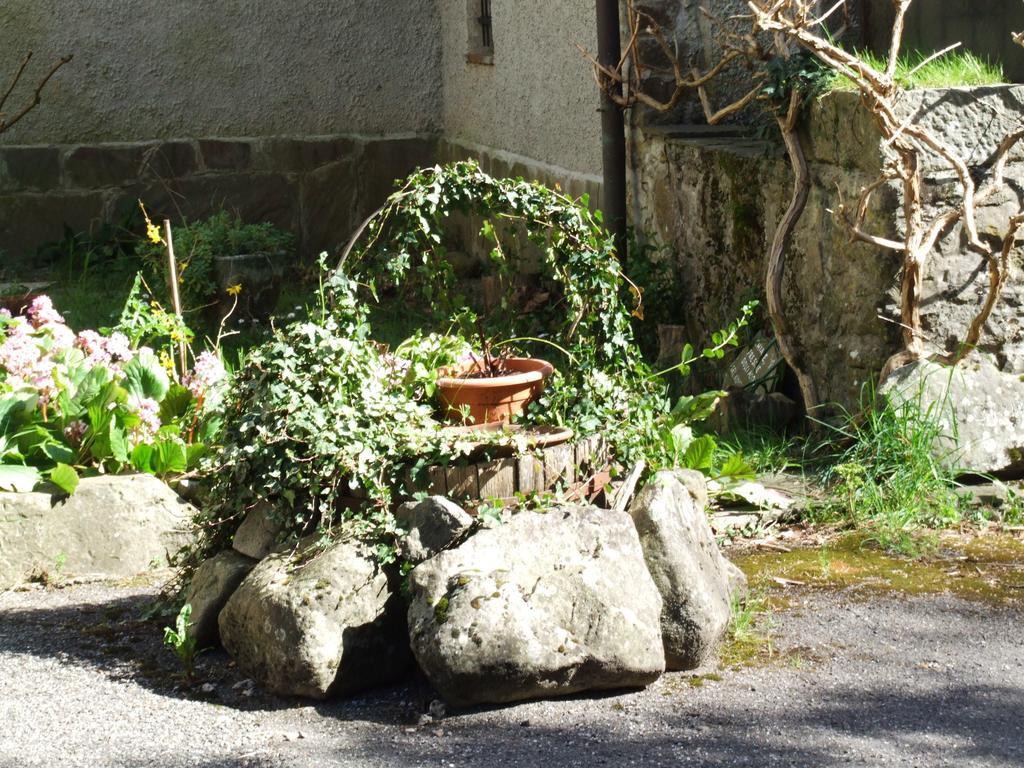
489 389
222 252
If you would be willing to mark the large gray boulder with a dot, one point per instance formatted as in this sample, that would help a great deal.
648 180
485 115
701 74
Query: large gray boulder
432 524
213 583
317 623
257 536
980 410
111 526
695 581
547 604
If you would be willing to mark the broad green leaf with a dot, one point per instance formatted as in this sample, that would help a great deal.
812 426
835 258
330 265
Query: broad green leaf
701 453
64 477
145 377
9 406
695 408
118 443
18 478
142 458
91 388
59 453
175 404
681 436
736 467
170 457
193 454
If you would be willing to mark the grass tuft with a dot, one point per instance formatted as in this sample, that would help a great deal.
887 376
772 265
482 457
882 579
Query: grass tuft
748 638
957 68
891 471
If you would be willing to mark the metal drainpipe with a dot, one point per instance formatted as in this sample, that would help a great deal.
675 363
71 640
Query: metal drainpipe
613 127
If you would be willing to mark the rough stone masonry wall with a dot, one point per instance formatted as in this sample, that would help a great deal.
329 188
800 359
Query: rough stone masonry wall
716 198
319 187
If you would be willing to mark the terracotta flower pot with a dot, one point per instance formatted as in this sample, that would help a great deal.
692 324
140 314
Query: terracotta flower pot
495 399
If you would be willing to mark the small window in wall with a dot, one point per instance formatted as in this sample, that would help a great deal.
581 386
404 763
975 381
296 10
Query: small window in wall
481 32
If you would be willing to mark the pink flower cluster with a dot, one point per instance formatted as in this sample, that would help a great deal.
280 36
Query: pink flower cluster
30 347
207 373
26 360
41 312
148 411
104 350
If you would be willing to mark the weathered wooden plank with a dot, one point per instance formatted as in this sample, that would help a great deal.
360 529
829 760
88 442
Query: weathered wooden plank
529 474
462 482
559 466
437 481
497 479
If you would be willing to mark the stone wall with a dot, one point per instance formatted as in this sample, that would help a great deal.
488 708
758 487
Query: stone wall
715 198
328 105
319 188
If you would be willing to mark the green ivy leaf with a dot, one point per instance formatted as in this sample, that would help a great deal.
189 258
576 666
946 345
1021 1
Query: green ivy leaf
64 477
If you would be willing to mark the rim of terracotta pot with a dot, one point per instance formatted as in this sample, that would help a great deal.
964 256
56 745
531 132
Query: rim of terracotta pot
533 370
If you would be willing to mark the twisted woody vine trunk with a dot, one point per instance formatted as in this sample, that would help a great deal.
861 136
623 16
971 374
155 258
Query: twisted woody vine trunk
776 267
772 31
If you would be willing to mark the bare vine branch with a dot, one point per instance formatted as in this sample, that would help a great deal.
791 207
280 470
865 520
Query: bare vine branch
36 97
792 25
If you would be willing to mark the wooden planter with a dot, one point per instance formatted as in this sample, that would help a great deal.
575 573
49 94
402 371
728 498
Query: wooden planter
580 468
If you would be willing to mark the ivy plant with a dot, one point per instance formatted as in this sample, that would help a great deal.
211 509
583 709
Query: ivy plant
323 412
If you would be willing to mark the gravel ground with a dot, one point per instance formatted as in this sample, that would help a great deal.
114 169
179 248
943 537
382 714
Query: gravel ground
915 681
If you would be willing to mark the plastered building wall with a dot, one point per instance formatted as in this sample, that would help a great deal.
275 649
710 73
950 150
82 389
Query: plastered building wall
158 69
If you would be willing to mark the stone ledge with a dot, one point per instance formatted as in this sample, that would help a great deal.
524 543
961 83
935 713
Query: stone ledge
112 526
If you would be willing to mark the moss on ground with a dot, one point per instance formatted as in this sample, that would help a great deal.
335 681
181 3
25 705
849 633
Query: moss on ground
987 568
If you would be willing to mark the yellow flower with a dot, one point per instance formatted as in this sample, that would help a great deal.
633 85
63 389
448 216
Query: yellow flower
152 230
166 362
234 290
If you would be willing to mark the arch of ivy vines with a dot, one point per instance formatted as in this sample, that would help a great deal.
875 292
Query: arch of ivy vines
324 408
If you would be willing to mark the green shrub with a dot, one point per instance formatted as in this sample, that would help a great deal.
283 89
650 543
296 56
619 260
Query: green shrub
197 244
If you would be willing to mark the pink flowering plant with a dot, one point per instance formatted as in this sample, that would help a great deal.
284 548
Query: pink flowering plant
100 401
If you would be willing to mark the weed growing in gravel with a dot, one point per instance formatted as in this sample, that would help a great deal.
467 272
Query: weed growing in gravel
748 638
182 641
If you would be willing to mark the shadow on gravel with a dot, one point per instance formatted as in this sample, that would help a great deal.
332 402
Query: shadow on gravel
111 638
960 725
924 714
